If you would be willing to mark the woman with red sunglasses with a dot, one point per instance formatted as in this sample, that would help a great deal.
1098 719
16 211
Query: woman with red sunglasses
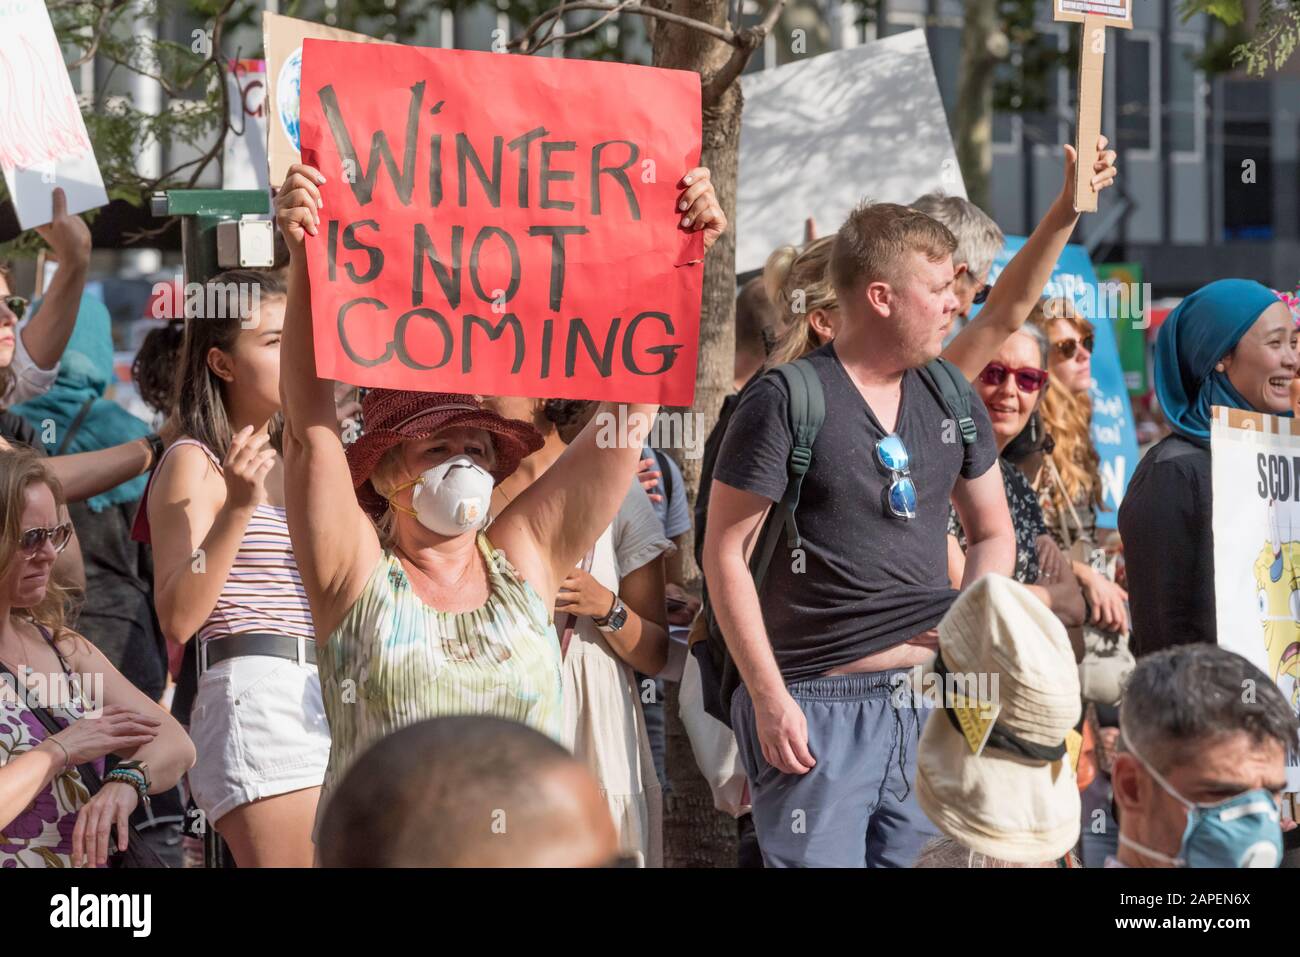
1012 386
1067 476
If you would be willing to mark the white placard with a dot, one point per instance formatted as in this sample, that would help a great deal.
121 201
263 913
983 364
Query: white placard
43 139
821 134
243 162
1256 519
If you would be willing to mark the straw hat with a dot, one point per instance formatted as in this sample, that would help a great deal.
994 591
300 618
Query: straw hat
393 416
1017 800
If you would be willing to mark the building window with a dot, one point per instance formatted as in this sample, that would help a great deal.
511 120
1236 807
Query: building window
945 54
1048 129
1004 121
1135 94
1184 98
1247 199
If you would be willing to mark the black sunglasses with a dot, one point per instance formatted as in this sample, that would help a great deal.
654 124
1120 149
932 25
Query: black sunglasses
34 538
17 305
982 295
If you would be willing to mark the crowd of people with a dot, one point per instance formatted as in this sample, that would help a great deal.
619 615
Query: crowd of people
432 629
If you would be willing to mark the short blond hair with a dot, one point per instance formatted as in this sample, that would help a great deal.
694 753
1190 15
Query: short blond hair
871 244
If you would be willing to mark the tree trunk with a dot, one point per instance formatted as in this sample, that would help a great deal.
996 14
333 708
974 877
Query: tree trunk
696 835
974 132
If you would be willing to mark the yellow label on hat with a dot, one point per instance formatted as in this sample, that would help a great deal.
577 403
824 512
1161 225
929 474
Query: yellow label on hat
976 719
1073 746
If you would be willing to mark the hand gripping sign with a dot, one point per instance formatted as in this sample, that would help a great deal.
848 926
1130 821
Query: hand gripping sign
1095 15
500 224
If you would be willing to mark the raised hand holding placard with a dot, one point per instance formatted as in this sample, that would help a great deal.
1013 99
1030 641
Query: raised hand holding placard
1095 16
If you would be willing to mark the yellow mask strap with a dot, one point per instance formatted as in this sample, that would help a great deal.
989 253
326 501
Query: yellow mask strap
402 508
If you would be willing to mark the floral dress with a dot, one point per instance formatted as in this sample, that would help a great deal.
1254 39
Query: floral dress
41 835
1026 518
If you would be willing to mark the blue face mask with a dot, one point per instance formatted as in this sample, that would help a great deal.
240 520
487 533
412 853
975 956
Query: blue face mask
1243 831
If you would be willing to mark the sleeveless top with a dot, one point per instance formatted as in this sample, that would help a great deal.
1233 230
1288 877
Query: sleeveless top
263 592
393 661
41 836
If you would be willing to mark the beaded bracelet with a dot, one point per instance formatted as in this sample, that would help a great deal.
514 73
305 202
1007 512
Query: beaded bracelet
132 777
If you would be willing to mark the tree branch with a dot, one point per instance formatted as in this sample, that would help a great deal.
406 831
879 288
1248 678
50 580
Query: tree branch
521 42
589 28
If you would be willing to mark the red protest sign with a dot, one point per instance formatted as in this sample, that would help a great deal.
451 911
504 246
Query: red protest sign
500 224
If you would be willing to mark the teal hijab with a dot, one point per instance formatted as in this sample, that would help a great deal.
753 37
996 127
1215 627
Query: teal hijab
85 372
1204 328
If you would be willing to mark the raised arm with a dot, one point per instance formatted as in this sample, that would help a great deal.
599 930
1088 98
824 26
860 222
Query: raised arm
563 512
334 543
47 334
84 475
1021 283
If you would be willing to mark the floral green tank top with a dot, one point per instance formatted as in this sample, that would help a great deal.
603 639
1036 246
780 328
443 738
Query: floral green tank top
394 661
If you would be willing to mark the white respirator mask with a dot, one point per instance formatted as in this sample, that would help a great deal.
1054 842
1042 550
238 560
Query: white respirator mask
451 498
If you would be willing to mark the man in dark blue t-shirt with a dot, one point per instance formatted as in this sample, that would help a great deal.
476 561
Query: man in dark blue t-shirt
822 652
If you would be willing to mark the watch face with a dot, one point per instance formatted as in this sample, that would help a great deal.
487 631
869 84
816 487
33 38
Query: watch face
617 618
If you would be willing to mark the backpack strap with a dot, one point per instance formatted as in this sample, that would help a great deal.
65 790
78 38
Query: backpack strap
946 379
806 412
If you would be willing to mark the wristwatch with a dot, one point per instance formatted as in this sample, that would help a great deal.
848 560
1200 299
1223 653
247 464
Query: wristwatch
616 618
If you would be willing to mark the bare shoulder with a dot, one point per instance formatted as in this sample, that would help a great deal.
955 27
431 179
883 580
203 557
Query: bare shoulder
186 473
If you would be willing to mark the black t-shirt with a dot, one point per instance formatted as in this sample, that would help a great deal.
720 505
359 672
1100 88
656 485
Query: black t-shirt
867 580
1166 524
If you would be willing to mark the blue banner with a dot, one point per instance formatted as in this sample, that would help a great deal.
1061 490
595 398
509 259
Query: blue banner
1112 417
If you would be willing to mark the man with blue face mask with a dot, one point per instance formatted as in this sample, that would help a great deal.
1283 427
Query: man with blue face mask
1204 744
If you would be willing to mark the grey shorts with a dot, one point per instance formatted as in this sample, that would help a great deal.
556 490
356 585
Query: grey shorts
857 806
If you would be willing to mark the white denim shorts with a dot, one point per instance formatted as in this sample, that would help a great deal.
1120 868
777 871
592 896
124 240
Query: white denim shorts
259 730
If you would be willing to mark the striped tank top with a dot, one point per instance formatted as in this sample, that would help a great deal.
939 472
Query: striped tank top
393 660
263 592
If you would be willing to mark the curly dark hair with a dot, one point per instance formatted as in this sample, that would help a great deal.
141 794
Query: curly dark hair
154 368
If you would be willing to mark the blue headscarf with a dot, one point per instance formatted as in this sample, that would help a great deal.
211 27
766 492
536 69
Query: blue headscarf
85 371
1202 330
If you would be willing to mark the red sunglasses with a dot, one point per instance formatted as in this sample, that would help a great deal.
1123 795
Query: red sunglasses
1028 379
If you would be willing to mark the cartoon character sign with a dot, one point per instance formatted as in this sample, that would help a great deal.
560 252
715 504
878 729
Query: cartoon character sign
1277 573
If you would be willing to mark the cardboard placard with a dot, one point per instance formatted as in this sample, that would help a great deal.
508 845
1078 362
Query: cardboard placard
43 140
1095 16
1112 13
282 39
502 225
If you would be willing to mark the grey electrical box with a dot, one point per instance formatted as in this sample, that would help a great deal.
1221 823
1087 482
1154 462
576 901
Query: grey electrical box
245 244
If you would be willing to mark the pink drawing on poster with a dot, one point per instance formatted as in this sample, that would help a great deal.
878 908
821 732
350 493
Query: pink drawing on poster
40 121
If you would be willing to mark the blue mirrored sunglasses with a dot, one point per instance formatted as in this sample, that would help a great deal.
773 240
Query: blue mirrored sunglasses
900 496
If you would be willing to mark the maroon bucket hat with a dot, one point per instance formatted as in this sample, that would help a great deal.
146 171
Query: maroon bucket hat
393 416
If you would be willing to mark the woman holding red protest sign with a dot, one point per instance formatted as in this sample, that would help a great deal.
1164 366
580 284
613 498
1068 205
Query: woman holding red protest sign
421 613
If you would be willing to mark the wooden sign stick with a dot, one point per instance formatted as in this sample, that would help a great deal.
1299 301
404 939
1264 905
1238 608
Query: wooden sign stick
1092 56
